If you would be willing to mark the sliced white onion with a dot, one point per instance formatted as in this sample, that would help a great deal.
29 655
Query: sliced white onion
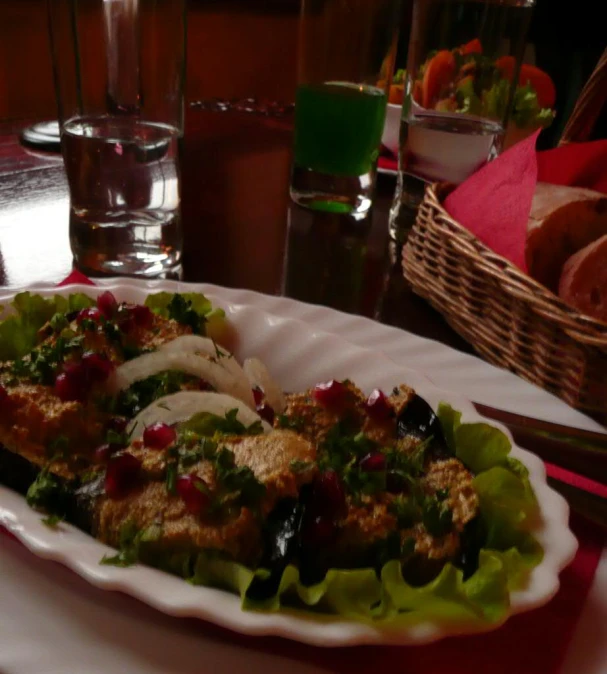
197 344
184 405
150 364
259 375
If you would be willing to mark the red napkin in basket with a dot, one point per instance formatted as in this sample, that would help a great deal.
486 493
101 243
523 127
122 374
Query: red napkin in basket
531 643
576 164
494 202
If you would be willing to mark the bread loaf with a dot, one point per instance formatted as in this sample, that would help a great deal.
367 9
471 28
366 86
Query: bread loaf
563 221
583 282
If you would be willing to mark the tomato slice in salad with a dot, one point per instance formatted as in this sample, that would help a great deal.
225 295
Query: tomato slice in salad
439 72
539 80
472 47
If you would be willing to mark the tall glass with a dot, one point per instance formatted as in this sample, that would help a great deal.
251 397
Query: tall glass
346 58
119 71
464 56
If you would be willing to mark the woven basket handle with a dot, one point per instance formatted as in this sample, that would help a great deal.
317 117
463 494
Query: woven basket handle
588 105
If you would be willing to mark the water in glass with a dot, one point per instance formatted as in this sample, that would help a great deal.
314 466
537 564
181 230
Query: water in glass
123 175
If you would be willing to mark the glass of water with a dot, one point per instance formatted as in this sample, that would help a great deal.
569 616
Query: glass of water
119 70
346 57
463 62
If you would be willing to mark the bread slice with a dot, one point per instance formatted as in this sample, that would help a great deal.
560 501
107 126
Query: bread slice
583 282
563 220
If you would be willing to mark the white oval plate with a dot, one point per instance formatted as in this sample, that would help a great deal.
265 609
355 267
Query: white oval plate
298 357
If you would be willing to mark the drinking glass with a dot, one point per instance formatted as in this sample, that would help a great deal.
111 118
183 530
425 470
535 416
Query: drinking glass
463 60
119 70
346 58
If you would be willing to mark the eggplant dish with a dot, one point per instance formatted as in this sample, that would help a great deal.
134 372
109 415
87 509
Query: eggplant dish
132 423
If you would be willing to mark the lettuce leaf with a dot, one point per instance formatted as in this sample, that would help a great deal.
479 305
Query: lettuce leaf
192 309
508 507
18 332
526 110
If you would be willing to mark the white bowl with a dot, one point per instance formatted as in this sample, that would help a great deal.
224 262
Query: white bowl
389 138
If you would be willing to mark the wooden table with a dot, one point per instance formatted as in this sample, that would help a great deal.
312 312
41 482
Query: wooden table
240 228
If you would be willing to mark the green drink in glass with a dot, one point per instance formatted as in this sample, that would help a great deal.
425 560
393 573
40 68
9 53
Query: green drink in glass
338 127
346 58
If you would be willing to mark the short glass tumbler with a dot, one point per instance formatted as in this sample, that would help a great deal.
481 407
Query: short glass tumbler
346 58
119 70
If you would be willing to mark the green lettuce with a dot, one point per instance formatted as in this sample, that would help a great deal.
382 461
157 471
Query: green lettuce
526 111
18 332
192 309
507 507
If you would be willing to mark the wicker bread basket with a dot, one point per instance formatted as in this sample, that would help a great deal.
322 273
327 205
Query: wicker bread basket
510 319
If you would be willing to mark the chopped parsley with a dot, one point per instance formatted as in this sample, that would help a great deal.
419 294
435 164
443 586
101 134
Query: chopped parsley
291 423
298 467
406 510
131 541
205 449
238 481
171 477
52 521
207 424
341 445
144 392
408 464
58 447
437 517
41 365
123 439
432 512
181 310
47 492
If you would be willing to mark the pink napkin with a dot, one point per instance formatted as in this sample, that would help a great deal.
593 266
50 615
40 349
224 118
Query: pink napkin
530 643
494 202
576 164
76 278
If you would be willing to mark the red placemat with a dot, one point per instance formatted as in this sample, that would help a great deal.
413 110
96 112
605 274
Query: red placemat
387 161
531 643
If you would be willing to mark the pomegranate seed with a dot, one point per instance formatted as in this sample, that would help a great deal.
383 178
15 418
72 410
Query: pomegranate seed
142 316
159 435
71 384
194 492
331 394
378 407
104 452
319 531
121 474
107 304
117 424
258 396
90 314
266 412
328 494
97 367
374 462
